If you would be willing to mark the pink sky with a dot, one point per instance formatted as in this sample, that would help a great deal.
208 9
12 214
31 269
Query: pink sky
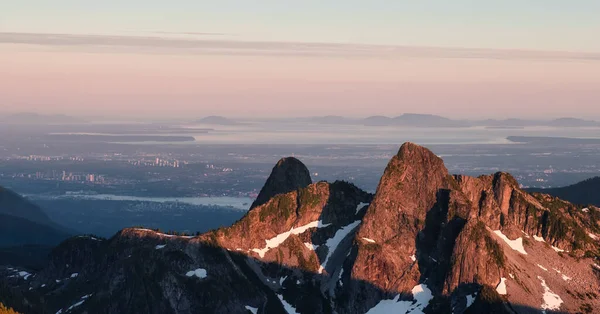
164 83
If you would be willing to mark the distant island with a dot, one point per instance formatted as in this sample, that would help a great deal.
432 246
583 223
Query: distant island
432 121
216 120
36 118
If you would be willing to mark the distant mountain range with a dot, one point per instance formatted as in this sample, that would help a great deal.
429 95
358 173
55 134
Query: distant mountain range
422 120
426 242
585 192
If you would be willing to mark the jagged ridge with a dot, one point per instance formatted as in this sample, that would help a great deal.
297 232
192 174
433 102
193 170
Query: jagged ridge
428 241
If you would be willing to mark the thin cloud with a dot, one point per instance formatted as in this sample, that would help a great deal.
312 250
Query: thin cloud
99 43
192 33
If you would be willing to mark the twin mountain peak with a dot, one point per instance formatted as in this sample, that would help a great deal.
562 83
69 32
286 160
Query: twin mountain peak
425 242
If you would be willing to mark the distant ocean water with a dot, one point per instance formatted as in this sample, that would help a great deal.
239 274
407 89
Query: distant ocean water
302 133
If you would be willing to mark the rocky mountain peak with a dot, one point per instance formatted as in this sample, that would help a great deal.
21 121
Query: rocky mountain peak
289 174
410 186
426 242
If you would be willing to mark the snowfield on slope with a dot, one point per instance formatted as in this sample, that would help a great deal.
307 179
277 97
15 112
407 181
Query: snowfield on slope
333 243
200 273
288 307
552 301
421 294
501 288
280 238
516 245
360 206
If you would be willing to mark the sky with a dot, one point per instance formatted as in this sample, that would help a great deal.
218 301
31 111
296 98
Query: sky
461 58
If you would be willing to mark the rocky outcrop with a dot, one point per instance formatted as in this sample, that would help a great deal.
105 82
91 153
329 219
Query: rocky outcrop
409 188
426 242
288 175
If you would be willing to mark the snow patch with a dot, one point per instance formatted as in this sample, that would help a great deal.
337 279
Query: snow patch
593 236
360 206
564 277
501 288
585 210
74 275
83 299
16 273
516 245
311 246
511 276
369 240
89 237
200 273
24 274
280 238
471 299
413 258
281 280
421 294
542 267
163 234
253 310
288 307
539 239
160 247
333 243
557 249
552 301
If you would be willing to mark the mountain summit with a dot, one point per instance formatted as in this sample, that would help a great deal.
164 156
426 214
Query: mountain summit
288 174
426 242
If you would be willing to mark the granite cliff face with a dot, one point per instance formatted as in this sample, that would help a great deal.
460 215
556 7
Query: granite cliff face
426 242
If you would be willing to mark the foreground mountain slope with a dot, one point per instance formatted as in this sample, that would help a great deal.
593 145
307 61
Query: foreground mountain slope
426 242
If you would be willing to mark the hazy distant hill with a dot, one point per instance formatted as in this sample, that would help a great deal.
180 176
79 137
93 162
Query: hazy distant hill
584 192
35 118
427 120
22 222
377 121
573 122
432 121
15 205
414 120
216 120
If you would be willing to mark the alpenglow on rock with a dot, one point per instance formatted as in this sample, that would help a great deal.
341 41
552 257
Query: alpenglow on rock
426 242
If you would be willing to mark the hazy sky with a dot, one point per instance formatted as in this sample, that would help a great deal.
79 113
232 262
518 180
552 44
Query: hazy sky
184 58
